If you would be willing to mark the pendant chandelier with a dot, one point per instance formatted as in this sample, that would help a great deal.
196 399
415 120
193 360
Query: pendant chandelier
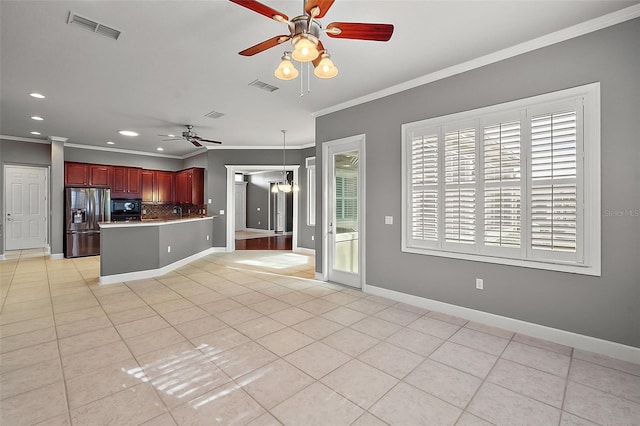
284 185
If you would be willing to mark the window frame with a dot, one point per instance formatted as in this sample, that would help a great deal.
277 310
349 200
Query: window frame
588 241
310 165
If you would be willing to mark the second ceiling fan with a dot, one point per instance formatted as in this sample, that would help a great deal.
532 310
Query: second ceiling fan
190 136
304 33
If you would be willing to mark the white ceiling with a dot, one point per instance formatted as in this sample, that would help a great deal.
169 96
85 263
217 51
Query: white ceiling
177 61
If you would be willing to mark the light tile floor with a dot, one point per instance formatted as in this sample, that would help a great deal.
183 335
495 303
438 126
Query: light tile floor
251 338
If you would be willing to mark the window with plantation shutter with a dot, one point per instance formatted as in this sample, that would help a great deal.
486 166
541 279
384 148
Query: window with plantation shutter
515 183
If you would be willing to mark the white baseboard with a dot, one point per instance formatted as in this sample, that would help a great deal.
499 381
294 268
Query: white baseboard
2 256
567 338
304 250
319 276
56 256
151 273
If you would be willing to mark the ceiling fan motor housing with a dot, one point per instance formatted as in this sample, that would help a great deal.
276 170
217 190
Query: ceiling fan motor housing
301 27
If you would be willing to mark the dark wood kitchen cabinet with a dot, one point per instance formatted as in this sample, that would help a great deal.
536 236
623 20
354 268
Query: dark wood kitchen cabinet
165 187
158 187
190 186
126 182
148 185
84 174
100 175
76 174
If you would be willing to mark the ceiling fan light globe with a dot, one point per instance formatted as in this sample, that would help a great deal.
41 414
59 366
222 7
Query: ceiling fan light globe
304 50
326 68
286 70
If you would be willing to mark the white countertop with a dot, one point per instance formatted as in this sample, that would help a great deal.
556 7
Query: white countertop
152 222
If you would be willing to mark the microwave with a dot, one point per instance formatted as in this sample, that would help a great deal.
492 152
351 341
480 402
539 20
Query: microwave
126 206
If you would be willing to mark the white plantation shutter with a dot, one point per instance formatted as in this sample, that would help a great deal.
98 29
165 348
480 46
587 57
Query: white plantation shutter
515 183
459 188
502 186
554 177
424 188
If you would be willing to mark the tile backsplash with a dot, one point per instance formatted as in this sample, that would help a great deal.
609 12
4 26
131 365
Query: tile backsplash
154 211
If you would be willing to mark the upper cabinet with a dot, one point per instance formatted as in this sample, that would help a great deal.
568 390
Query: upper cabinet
100 175
190 186
82 174
158 187
127 182
76 174
152 186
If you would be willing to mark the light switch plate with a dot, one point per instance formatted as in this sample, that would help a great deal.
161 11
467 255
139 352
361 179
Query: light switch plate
209 201
388 220
221 211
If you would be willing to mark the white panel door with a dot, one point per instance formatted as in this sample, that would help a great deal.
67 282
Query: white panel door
25 207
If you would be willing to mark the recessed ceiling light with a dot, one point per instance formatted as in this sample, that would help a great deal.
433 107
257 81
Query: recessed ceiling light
37 95
35 117
110 143
160 148
36 133
171 136
127 133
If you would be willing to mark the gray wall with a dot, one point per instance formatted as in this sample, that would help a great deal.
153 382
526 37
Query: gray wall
121 159
604 307
258 194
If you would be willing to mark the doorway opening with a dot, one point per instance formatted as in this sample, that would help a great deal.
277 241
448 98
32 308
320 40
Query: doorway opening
257 217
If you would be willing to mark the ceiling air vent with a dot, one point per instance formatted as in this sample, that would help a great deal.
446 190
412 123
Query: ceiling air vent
264 86
214 114
93 26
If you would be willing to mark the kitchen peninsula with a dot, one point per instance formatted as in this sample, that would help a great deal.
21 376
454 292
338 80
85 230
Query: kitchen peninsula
150 248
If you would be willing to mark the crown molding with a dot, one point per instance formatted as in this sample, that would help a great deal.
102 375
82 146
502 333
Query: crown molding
568 33
119 150
261 147
20 139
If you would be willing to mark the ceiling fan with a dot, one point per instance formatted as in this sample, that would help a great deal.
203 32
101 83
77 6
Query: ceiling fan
190 136
304 33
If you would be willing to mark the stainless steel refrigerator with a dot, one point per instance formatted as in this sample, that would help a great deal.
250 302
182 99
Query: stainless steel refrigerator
84 209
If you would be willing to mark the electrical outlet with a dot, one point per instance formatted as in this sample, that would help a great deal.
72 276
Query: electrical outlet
258 208
479 284
207 238
209 201
168 249
221 211
258 222
388 220
313 237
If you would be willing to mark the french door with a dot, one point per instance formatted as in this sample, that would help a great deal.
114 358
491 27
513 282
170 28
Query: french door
343 223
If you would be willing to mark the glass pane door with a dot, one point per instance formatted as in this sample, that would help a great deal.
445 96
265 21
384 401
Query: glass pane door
346 221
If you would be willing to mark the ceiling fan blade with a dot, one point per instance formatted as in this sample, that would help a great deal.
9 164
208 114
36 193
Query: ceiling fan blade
360 31
195 143
210 141
322 5
267 44
262 10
